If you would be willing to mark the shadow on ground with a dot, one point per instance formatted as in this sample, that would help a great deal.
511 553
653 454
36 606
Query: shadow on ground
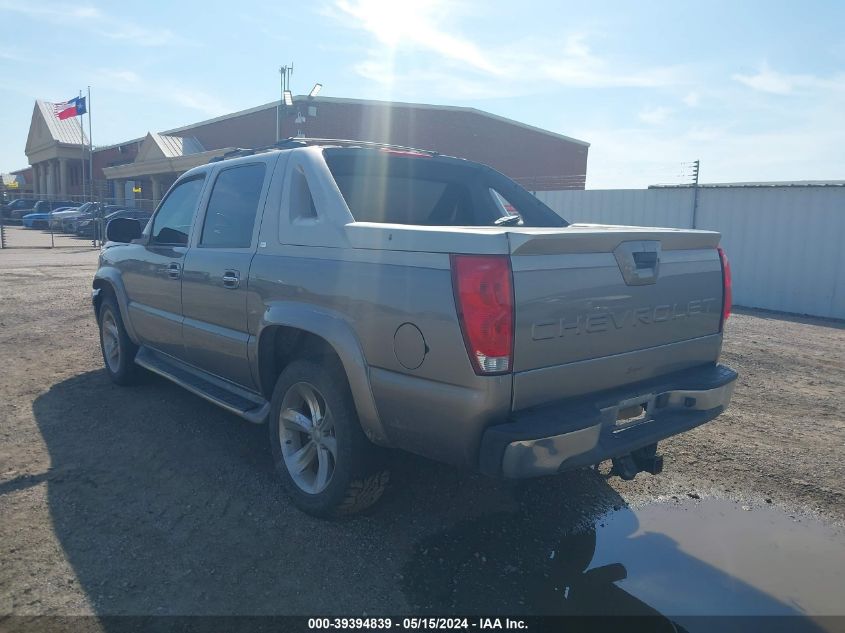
165 504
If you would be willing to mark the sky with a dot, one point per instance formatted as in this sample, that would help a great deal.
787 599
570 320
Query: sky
754 90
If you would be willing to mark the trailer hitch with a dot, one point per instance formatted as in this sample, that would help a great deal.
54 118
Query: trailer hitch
644 459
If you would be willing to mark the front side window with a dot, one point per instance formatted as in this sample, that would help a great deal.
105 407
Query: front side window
232 207
172 223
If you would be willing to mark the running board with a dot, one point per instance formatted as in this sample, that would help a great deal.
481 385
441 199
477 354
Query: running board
245 404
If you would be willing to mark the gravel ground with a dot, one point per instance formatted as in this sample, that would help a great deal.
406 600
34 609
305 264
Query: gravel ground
148 500
20 237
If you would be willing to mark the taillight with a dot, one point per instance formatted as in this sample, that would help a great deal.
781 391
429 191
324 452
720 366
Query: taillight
727 298
484 299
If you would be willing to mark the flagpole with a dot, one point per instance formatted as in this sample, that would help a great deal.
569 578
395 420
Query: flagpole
82 150
90 143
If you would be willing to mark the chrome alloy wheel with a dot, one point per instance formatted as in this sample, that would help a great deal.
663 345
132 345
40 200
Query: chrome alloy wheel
111 341
307 438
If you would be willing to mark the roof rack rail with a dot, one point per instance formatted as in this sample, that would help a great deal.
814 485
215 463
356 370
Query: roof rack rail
299 141
234 153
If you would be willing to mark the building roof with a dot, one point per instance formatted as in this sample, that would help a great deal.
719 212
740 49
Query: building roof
304 99
173 146
775 183
68 131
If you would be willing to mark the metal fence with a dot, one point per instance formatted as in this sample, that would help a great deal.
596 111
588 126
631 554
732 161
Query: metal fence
68 221
785 243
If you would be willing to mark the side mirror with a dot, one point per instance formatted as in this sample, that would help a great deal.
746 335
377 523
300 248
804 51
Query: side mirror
123 230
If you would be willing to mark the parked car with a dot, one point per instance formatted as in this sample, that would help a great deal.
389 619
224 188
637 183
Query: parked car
71 222
42 206
40 220
57 219
360 297
90 227
48 206
19 206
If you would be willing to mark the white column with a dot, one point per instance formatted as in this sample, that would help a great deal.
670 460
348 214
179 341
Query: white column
51 178
63 184
156 189
119 190
35 180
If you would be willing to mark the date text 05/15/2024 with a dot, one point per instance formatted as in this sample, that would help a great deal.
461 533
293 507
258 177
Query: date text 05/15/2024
411 623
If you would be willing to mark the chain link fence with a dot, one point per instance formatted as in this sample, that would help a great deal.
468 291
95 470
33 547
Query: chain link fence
65 221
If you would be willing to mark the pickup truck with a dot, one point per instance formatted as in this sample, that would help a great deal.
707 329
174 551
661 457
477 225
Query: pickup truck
357 297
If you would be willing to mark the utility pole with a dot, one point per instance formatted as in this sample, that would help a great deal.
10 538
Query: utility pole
90 143
285 73
695 167
82 149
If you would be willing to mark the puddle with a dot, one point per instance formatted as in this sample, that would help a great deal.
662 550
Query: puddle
674 559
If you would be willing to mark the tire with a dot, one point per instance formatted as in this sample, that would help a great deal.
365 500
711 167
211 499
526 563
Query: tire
117 348
329 469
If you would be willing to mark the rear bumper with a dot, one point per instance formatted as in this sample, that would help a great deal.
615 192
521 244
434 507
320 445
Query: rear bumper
585 431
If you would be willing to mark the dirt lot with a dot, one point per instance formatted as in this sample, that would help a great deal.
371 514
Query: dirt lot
148 500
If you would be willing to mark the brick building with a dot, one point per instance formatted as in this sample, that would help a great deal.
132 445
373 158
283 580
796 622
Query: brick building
143 168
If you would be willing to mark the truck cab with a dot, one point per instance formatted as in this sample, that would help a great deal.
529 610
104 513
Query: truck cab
359 297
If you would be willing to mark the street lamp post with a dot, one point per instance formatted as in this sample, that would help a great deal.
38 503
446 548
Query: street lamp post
286 101
285 73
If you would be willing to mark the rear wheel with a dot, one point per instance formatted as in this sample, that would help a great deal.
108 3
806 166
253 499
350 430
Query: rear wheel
118 349
325 461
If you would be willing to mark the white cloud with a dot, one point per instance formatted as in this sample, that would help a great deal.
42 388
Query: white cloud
50 11
774 82
655 116
439 82
426 26
176 93
11 56
633 157
140 36
692 99
579 66
194 99
92 19
125 76
767 80
414 24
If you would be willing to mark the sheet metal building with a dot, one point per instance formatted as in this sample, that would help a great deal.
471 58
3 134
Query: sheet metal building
144 167
784 239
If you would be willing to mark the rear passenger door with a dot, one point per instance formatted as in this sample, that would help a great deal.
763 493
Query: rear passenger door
214 283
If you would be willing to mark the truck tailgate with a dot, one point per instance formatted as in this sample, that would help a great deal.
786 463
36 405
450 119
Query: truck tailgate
597 307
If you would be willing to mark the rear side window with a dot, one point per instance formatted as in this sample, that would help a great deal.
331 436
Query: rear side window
172 223
301 201
233 206
401 188
404 190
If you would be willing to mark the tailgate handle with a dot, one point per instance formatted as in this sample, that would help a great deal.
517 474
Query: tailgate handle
639 261
645 260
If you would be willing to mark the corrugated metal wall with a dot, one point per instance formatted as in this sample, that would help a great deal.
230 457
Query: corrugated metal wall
786 244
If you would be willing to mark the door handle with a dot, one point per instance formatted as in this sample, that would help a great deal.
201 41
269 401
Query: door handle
174 270
231 279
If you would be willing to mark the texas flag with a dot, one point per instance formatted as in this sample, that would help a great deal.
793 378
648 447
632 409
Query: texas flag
67 109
